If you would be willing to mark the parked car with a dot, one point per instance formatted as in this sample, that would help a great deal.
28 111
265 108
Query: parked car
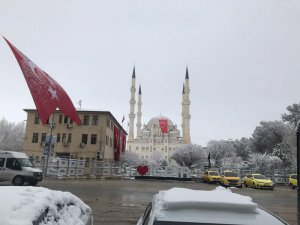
182 206
230 178
37 205
210 176
17 168
258 181
293 181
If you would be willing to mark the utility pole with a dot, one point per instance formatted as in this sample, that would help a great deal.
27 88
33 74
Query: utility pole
298 173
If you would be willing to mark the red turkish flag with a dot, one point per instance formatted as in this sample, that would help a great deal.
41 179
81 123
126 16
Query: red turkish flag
163 123
116 143
47 94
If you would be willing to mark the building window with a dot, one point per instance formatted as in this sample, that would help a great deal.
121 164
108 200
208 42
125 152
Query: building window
107 138
111 125
107 122
43 137
137 148
95 120
86 119
58 138
147 148
143 148
154 149
69 138
64 137
60 118
93 139
36 119
66 120
35 137
84 138
110 142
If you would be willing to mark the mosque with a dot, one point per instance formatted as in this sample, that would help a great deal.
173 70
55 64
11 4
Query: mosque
152 141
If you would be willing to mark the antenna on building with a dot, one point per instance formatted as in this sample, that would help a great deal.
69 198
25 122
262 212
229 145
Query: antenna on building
79 103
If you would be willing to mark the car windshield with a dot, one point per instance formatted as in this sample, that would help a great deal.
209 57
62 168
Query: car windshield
294 176
213 174
260 177
25 162
231 174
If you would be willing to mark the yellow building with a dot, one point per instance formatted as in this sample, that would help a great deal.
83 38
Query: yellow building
90 141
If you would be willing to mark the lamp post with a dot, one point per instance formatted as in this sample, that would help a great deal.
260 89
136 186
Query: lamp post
48 144
298 172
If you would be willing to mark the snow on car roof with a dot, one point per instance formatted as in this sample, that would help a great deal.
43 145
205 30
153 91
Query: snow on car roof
219 206
23 205
217 198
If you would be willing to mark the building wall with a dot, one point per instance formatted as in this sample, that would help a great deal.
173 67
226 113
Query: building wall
101 150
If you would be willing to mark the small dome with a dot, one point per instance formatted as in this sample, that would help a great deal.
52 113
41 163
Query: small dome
155 121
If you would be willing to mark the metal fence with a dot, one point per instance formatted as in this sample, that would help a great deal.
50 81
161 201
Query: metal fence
63 167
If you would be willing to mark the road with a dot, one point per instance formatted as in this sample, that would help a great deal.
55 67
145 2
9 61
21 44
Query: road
122 202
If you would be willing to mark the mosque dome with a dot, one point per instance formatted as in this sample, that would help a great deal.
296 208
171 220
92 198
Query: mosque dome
154 122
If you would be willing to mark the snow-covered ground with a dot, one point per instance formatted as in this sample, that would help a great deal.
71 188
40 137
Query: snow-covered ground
23 205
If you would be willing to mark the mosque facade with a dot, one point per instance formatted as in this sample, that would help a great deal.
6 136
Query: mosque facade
152 142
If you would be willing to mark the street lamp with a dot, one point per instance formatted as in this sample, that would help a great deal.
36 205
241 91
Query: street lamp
48 144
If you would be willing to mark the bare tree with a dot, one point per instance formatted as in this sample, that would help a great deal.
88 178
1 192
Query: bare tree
11 135
189 155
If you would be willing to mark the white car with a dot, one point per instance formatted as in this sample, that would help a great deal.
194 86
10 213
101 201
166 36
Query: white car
41 206
220 206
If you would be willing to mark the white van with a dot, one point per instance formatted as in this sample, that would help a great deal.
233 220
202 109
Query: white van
17 168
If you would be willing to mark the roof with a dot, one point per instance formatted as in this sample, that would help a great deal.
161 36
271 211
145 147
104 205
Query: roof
15 154
155 120
88 112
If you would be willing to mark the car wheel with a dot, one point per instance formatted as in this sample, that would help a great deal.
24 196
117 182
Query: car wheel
292 186
245 184
254 186
18 181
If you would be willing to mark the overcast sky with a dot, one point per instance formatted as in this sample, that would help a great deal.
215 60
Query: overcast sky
243 58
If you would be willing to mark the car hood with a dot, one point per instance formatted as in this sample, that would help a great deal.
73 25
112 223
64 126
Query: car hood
263 180
24 205
232 178
32 169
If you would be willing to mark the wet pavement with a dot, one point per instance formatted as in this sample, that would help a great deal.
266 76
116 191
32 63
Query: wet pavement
122 202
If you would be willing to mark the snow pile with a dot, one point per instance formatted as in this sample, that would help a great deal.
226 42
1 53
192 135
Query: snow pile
23 205
220 199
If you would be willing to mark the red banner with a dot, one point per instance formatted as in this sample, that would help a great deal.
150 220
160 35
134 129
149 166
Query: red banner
47 94
116 144
163 123
123 142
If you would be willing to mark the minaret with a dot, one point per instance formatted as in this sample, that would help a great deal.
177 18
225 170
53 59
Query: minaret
186 110
182 112
139 114
132 104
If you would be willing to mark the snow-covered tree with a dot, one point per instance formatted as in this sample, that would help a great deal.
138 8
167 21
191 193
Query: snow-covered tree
130 158
189 155
293 115
156 158
286 150
264 161
11 135
222 152
267 136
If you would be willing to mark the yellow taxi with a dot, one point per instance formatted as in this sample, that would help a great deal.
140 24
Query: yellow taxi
293 181
257 180
230 178
211 176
